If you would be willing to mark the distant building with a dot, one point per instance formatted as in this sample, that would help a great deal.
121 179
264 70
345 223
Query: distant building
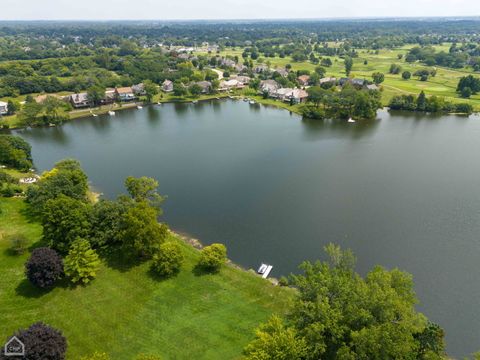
240 68
167 86
125 93
243 79
109 97
289 95
139 89
283 72
79 100
3 108
358 82
303 80
327 80
260 68
231 84
269 86
228 63
205 85
372 87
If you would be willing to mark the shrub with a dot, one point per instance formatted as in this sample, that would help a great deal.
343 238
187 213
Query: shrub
283 281
82 262
168 260
44 267
213 257
406 75
96 356
18 244
42 342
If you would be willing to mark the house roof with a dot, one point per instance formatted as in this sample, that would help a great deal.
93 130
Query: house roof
304 78
79 98
299 94
125 90
2 103
167 82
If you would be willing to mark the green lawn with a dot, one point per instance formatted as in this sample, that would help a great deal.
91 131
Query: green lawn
126 311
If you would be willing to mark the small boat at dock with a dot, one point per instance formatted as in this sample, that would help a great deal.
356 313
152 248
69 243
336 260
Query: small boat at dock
351 120
252 102
264 270
111 113
139 107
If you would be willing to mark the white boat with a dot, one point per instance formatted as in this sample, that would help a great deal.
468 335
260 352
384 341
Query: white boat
139 107
351 120
245 99
94 115
264 270
194 101
252 102
111 113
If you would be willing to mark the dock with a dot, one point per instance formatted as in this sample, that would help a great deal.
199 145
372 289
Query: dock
264 270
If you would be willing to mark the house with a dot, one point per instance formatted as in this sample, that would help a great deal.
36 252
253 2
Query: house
269 86
240 68
282 72
358 82
167 86
282 94
79 100
139 89
243 79
230 84
372 87
327 80
183 56
125 93
343 81
3 108
228 63
303 80
205 85
109 97
41 98
289 95
299 96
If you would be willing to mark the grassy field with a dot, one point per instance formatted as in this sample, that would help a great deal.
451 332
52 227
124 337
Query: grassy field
443 84
126 311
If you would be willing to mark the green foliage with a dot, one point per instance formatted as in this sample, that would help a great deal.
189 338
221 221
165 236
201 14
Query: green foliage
431 104
406 75
151 90
395 69
213 257
144 189
147 357
340 315
469 81
15 152
141 231
96 356
82 263
168 260
18 244
378 78
348 65
66 178
44 267
65 219
95 95
275 341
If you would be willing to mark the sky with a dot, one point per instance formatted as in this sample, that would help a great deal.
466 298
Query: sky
230 9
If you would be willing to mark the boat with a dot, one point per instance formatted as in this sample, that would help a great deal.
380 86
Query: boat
245 99
111 113
94 115
139 107
351 120
264 270
194 101
252 102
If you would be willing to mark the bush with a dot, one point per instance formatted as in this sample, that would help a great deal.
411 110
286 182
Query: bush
96 356
18 244
44 267
42 342
283 281
213 257
168 260
82 262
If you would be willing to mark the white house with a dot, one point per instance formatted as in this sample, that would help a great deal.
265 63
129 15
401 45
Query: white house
3 108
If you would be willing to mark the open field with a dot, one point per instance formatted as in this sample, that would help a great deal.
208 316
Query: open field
443 84
126 311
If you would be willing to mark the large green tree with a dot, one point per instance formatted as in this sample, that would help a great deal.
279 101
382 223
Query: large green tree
82 262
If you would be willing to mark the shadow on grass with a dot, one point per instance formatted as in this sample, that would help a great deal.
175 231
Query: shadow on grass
119 259
201 270
30 215
27 290
157 277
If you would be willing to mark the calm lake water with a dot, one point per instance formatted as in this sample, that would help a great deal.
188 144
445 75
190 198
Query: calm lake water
402 191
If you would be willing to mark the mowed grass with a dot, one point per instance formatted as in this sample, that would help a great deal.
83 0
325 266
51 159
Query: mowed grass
444 84
126 310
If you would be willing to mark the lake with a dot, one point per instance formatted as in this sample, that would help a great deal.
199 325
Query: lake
402 191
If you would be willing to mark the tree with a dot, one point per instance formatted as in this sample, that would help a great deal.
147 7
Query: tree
195 90
406 75
44 267
82 263
320 71
469 81
168 260
275 341
64 220
466 92
66 178
95 95
15 152
395 69
378 78
213 257
421 101
151 89
42 342
340 315
140 230
144 189
29 113
13 107
179 89
348 65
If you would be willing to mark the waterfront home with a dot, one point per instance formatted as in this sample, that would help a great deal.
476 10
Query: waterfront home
205 85
282 94
167 86
3 108
359 83
299 96
260 68
228 63
240 68
269 86
109 97
125 93
139 89
79 100
303 80
230 84
290 95
243 79
372 87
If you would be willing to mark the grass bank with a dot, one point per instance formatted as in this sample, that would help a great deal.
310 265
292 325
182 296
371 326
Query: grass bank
126 310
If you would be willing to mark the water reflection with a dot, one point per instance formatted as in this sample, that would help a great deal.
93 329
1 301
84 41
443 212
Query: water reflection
323 129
